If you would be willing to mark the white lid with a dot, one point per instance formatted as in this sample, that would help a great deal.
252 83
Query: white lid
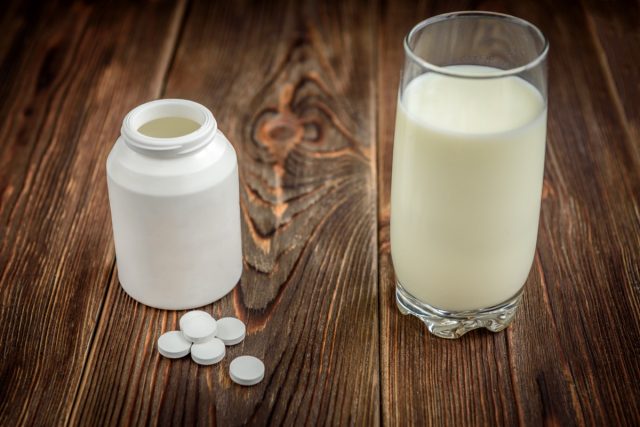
246 370
209 352
198 326
168 108
173 345
231 330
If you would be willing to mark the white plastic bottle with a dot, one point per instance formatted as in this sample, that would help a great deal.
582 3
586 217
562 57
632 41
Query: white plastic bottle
174 196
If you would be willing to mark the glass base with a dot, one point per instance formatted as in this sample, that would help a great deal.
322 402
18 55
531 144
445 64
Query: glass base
454 324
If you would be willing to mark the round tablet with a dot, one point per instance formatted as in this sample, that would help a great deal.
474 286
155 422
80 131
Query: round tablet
198 326
208 353
246 370
173 345
231 330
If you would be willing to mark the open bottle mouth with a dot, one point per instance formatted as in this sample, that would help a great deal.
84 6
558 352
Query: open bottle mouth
528 62
168 126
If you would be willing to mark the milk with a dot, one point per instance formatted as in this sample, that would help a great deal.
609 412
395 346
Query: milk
169 127
467 177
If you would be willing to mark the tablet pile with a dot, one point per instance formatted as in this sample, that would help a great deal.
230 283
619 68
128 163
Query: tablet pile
206 339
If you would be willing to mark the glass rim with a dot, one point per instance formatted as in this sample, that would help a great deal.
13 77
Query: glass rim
474 13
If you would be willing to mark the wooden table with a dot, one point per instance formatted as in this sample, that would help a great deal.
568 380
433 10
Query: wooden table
306 92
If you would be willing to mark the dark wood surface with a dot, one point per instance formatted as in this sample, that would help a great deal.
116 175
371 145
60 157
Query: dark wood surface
306 93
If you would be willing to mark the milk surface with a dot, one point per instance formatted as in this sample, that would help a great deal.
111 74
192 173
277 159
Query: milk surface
169 127
466 184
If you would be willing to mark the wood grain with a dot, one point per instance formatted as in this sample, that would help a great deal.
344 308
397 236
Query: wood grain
286 88
69 72
306 92
556 364
615 30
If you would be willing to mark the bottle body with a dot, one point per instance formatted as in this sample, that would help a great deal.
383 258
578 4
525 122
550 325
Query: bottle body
176 222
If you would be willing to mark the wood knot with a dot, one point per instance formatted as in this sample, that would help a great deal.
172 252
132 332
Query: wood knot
280 134
281 130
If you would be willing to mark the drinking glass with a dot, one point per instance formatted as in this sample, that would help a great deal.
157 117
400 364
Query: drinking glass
468 161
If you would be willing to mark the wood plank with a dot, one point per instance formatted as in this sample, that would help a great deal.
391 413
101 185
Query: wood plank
292 87
69 72
615 29
589 243
568 358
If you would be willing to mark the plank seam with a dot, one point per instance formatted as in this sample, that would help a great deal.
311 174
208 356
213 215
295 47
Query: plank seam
375 166
176 36
83 371
184 13
609 79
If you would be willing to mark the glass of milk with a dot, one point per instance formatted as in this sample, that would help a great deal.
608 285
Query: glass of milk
468 161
